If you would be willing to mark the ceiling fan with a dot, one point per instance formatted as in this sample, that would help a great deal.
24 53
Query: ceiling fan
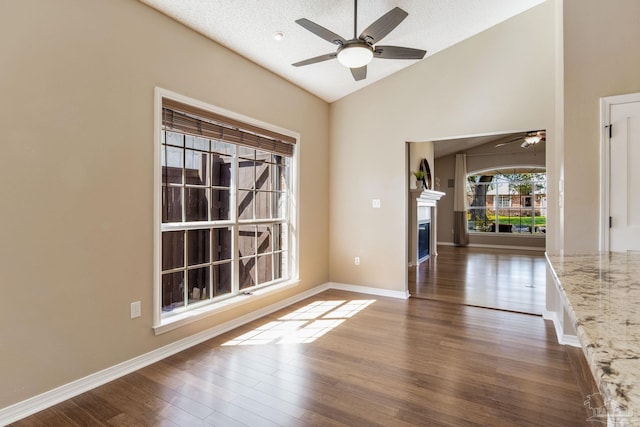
527 139
357 52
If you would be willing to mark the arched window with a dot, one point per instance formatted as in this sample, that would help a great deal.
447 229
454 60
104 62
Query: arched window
510 200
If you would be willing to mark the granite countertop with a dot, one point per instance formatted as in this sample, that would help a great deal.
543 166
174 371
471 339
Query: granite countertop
602 292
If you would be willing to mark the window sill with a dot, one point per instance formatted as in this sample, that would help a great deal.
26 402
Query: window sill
509 235
190 316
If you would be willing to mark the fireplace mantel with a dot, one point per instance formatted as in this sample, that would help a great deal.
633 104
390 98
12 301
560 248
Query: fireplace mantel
429 197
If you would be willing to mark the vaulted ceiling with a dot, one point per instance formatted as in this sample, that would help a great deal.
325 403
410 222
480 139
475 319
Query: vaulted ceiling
248 28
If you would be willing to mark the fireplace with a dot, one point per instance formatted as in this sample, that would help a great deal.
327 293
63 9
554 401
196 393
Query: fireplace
422 224
424 239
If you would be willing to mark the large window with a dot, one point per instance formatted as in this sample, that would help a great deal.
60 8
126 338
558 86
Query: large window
225 209
504 202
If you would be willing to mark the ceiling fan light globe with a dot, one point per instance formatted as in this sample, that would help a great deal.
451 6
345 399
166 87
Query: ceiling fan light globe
355 56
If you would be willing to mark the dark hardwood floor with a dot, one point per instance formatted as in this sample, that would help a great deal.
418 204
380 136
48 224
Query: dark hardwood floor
502 279
347 359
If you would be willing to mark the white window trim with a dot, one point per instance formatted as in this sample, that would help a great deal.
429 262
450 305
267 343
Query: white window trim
496 205
161 325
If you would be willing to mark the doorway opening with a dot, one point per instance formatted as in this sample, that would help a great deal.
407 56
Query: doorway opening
503 267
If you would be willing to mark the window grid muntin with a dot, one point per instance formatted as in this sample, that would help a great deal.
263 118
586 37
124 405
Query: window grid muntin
274 163
186 268
538 194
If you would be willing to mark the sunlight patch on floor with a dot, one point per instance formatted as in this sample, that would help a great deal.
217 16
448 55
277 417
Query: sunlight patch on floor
304 325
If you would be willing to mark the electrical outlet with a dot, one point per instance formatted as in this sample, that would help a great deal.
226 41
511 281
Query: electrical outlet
375 203
135 309
357 260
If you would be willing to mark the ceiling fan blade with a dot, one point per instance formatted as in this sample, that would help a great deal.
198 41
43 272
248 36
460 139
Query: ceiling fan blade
522 138
508 142
320 58
383 26
397 52
321 32
359 73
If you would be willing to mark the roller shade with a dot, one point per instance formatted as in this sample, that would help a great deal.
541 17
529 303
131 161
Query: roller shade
197 122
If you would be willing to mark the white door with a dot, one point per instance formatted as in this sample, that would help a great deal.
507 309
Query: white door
624 184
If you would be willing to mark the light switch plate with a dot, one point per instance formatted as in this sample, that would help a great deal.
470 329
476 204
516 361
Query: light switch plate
135 309
375 203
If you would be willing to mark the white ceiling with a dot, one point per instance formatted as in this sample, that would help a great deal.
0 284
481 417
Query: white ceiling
247 27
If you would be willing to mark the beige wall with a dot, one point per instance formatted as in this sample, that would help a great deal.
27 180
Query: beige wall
417 152
601 58
482 158
498 81
76 114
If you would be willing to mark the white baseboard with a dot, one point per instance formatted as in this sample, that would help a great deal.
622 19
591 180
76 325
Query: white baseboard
571 340
49 398
368 290
52 397
553 316
563 338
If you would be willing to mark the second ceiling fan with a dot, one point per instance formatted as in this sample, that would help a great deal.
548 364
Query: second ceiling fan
357 52
527 139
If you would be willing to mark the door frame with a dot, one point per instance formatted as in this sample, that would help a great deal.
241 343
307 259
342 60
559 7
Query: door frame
605 162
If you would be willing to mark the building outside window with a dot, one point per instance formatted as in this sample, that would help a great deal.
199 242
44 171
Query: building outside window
225 211
504 201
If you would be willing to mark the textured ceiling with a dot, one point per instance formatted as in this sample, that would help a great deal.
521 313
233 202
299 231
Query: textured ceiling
247 27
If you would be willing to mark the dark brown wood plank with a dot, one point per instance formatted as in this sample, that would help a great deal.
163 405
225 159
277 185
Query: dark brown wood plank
502 279
396 362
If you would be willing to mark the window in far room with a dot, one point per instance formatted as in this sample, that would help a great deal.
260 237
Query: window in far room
503 201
